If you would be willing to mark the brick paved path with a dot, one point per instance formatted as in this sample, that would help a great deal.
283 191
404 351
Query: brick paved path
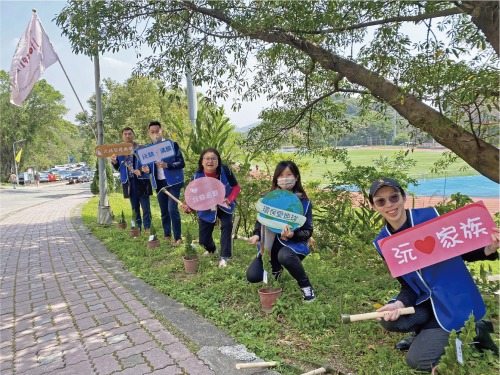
62 313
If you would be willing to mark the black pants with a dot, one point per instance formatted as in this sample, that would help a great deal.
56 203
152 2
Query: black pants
281 257
206 230
428 346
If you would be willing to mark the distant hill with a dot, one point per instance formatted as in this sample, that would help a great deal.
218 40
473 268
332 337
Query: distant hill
245 129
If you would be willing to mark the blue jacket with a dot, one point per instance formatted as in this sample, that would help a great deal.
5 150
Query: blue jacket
210 215
122 168
448 284
300 246
174 173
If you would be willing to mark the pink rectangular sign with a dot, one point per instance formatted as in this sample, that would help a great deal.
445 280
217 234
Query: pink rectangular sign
447 236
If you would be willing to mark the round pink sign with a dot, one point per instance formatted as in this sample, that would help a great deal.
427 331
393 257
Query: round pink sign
205 193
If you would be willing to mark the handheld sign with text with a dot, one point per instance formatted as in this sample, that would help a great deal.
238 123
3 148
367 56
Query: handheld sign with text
205 193
279 208
105 151
447 236
156 152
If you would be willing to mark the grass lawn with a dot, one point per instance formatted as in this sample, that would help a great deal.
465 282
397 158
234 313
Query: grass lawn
300 336
316 167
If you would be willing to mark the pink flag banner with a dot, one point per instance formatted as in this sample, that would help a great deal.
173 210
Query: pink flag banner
205 193
33 55
447 236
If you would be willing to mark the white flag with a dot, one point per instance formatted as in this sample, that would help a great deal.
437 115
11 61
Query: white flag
34 53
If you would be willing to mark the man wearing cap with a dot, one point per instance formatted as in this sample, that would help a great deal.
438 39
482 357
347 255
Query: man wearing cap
135 183
167 174
444 294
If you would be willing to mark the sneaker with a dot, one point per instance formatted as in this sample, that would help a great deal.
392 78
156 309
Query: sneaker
167 238
277 275
308 293
177 243
146 232
222 263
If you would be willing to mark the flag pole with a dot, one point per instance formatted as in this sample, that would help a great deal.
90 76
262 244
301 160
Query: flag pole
77 98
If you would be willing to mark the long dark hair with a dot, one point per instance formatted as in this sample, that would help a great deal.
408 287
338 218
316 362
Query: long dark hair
282 165
219 160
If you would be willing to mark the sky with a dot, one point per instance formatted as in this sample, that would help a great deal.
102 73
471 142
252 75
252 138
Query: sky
14 18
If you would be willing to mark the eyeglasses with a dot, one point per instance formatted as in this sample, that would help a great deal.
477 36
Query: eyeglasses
210 159
393 198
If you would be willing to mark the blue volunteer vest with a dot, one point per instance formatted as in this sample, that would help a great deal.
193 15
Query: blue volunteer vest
448 284
299 247
209 215
172 176
124 171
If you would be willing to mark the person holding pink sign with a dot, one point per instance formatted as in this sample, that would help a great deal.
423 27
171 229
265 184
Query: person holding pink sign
289 247
210 165
443 294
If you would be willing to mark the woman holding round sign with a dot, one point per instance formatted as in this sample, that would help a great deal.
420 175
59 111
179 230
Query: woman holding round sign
284 227
443 294
212 193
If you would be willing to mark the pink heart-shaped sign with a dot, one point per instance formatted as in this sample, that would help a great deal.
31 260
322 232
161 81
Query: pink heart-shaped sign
426 245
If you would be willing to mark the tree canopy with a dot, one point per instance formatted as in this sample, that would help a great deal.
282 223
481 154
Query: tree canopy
434 62
49 139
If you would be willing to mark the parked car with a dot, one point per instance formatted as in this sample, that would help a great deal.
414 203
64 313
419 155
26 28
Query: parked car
65 174
78 176
44 177
50 176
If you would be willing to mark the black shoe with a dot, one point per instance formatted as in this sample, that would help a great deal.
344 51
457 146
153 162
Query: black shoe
483 339
406 342
277 274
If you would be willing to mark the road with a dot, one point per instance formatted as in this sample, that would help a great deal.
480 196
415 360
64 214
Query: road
12 200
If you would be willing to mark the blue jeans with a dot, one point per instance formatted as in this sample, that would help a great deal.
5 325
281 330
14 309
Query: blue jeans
138 200
170 216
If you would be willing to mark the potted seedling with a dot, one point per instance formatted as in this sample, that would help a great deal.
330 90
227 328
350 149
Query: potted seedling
153 240
190 256
269 293
122 224
134 231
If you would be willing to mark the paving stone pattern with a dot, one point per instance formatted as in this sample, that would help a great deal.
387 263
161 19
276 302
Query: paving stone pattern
61 312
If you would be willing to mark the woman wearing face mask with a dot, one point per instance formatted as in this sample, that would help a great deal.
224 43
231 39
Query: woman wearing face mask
210 165
289 248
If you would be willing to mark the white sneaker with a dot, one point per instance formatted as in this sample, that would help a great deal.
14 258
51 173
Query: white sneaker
222 263
206 253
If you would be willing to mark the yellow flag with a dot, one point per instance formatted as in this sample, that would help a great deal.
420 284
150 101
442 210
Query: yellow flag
18 156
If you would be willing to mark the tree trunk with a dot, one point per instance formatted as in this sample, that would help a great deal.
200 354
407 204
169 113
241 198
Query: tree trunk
479 154
484 14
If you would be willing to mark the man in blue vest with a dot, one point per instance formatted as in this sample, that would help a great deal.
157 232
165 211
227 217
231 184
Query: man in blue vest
444 294
135 183
167 174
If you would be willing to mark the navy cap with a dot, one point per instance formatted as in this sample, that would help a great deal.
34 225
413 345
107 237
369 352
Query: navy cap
381 182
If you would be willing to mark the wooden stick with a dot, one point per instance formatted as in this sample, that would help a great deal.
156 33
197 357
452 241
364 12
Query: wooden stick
237 237
320 370
354 318
164 189
256 365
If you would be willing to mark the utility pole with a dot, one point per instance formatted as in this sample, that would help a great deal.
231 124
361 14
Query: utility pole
104 213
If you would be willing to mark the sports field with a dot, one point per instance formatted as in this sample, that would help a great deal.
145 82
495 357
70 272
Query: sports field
425 159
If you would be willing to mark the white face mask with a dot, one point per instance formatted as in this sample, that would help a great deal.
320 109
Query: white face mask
155 138
286 183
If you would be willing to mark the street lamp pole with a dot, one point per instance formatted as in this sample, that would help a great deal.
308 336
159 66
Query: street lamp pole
14 150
